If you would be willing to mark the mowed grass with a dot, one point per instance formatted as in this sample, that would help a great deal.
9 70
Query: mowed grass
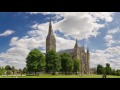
61 76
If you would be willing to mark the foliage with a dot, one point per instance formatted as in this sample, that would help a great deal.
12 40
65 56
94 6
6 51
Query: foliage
100 69
7 67
20 71
108 69
76 67
2 70
35 61
13 69
24 70
66 63
113 72
118 72
8 72
53 63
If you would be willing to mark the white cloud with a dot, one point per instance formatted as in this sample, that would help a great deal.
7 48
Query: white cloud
113 31
63 44
103 15
109 38
40 32
7 32
80 24
109 55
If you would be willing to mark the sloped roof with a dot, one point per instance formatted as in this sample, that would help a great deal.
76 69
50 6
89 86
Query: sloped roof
67 51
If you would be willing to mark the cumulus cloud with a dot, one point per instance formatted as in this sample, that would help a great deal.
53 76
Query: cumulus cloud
109 38
109 55
40 32
113 31
7 32
80 24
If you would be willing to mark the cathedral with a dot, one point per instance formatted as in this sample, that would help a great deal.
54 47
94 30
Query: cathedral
76 53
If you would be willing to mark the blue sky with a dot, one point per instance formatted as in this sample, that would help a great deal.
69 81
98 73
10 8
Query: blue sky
22 31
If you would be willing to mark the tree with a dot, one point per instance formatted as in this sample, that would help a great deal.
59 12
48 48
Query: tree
20 71
8 72
113 72
76 67
100 69
25 70
13 69
35 61
66 63
7 67
53 63
118 72
2 70
108 69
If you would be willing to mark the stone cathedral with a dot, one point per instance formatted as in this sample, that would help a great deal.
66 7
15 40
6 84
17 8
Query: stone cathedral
76 53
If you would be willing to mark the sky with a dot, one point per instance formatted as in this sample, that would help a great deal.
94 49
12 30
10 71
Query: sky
21 32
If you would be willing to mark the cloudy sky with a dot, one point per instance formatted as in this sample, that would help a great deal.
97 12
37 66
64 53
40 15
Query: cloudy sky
21 32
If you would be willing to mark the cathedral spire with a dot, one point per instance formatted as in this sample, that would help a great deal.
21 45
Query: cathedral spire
50 28
50 40
76 44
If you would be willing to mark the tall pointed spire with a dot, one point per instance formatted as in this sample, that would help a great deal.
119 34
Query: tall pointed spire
76 44
50 27
50 40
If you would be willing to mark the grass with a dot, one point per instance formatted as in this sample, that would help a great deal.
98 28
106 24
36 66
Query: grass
61 76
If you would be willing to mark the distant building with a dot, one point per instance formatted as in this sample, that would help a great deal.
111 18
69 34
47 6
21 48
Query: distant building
76 53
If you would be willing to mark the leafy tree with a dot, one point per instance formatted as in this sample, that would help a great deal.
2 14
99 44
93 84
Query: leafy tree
53 63
20 71
7 67
113 72
13 69
8 72
25 70
2 70
118 72
35 61
108 69
66 63
76 66
100 69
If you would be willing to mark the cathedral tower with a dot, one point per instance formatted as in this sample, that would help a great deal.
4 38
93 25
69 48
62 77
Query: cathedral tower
50 40
76 51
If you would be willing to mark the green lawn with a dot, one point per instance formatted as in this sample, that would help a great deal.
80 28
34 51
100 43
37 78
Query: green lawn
61 76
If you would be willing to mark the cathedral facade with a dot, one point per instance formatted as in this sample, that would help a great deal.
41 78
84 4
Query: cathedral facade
76 53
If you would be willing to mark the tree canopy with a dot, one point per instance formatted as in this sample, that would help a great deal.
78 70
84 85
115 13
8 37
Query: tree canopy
76 66
66 63
35 61
53 63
